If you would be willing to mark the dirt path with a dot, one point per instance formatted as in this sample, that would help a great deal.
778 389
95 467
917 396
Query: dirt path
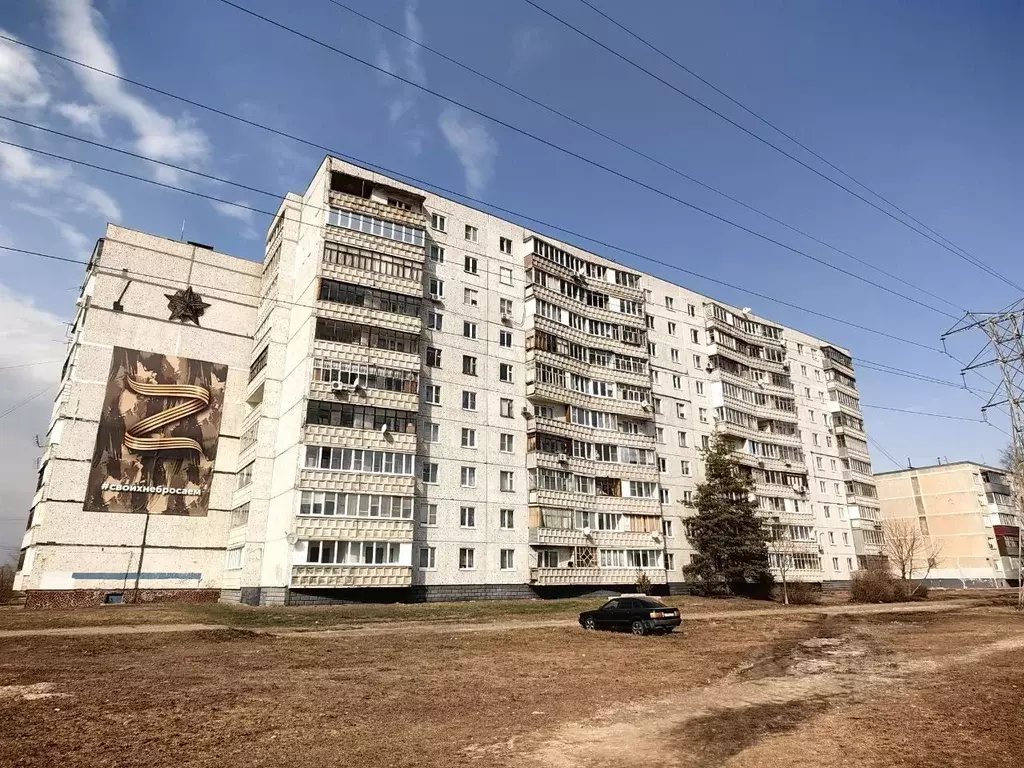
428 627
708 726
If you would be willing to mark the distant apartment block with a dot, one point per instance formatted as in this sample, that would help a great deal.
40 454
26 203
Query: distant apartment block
411 399
967 510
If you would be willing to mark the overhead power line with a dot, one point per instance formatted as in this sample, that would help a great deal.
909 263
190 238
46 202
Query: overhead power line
583 158
923 413
26 401
623 250
771 125
637 152
964 256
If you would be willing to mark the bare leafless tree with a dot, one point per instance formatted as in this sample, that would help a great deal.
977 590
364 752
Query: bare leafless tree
781 549
6 581
909 551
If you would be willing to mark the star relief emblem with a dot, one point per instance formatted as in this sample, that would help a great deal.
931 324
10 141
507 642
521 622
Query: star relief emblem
186 305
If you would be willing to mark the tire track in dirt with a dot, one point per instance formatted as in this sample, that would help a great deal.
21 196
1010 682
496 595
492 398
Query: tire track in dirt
703 727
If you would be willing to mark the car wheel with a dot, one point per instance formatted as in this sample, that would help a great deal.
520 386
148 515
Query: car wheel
639 628
589 623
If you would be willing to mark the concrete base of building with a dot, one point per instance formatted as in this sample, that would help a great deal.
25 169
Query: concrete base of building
87 598
972 583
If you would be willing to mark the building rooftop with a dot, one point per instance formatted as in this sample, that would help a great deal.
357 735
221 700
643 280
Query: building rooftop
926 467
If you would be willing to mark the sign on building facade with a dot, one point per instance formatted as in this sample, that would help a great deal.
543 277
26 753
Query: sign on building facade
157 438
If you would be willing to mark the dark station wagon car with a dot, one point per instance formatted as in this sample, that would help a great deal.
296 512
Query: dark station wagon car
638 614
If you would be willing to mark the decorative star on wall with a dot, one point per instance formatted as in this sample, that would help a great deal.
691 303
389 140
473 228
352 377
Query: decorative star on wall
186 305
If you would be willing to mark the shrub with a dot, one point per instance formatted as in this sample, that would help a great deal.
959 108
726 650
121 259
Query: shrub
800 593
877 586
642 583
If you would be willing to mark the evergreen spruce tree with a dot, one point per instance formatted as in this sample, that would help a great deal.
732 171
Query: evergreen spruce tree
730 539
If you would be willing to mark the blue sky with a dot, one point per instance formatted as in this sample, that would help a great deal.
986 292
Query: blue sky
919 100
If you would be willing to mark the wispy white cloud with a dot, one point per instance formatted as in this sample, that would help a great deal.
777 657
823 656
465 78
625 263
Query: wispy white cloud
407 63
73 237
21 83
472 144
80 31
413 30
529 46
243 215
94 198
20 167
82 116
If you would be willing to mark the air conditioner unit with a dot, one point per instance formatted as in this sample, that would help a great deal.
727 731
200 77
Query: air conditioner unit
506 318
563 458
337 386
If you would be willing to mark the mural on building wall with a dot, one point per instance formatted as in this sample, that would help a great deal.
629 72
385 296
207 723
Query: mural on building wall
157 438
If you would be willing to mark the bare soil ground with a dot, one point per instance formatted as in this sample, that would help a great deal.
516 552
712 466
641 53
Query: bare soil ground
897 689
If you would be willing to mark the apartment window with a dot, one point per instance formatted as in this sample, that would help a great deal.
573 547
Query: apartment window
691 310
835 563
669 302
508 559
504 338
681 410
468 437
433 357
467 559
819 462
428 558
428 514
439 222
667 528
505 246
505 306
240 516
705 442
472 234
671 329
831 537
677 382
471 297
670 561
467 517
506 407
428 472
505 372
835 488
822 486
849 563
817 442
832 462
468 477
506 480
817 375
244 476
437 254
436 288
233 558
504 275
469 365
674 355
664 496
800 348
652 349
695 336
434 320
471 265
696 361
432 394
684 467
507 517
649 320
807 392
828 511
659 435
662 464
687 497
655 376
506 442
803 371
468 400
431 432
469 329
699 387
656 402
828 441
846 539
811 416
681 439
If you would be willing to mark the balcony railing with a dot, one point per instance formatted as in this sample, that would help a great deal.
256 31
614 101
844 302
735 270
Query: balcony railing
598 576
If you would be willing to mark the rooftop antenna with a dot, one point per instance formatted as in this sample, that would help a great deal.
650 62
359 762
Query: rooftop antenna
182 238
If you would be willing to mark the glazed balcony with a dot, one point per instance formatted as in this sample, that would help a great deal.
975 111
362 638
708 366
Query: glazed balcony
554 577
353 528
351 576
570 537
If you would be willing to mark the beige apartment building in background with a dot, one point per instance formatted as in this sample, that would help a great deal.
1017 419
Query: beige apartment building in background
422 401
966 510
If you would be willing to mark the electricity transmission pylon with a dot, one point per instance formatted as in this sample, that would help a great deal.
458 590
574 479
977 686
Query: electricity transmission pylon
1005 351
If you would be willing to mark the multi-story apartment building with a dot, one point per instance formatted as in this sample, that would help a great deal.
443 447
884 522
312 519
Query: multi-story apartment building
966 512
421 401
